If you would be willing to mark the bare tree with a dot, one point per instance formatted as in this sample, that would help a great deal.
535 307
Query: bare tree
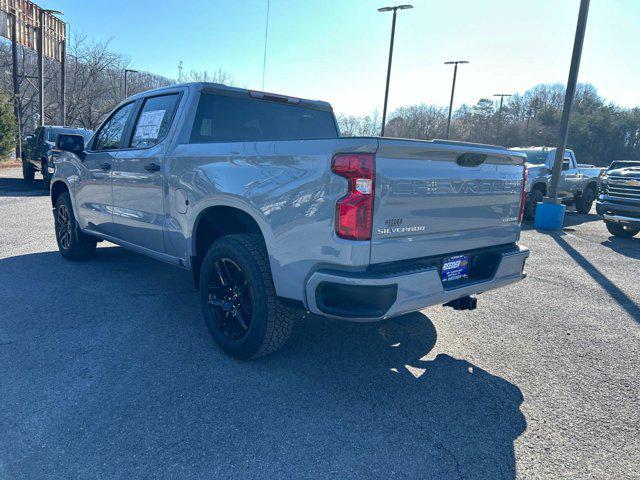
353 126
218 76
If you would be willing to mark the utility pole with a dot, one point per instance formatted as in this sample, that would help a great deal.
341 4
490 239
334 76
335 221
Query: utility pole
568 100
40 47
393 31
453 89
501 95
127 70
17 108
266 36
63 78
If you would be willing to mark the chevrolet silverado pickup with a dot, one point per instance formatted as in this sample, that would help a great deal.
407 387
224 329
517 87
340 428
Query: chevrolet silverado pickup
619 201
277 215
578 183
38 149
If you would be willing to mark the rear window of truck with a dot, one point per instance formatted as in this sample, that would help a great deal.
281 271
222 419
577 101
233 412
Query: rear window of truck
221 118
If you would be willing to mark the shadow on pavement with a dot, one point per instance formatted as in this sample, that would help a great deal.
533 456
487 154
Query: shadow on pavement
629 247
17 187
626 302
109 371
573 218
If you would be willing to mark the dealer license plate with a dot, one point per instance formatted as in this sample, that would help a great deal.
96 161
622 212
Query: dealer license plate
455 268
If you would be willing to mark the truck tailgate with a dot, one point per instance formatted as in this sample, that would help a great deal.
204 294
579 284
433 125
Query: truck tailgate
437 197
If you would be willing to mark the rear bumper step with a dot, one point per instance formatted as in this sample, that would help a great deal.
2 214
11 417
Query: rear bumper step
370 296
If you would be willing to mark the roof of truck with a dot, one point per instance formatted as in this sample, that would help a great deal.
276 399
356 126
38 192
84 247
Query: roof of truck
542 149
210 86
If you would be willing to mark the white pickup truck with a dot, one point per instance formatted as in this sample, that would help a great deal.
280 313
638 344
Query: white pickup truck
578 184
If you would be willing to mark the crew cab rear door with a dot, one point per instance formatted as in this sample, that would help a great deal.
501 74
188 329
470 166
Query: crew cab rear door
138 174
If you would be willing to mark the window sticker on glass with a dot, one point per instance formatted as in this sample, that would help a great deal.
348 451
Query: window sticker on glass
149 125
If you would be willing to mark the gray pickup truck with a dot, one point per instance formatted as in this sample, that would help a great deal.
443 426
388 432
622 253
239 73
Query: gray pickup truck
578 184
276 215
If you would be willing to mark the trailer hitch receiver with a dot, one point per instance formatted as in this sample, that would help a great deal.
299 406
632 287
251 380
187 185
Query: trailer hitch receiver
463 303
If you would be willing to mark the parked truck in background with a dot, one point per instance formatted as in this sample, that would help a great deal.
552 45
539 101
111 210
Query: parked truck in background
619 201
578 186
276 214
38 148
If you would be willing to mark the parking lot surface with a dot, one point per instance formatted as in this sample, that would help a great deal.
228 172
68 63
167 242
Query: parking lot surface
107 371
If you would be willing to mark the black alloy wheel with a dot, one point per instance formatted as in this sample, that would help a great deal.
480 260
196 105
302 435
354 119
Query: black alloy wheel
64 227
229 299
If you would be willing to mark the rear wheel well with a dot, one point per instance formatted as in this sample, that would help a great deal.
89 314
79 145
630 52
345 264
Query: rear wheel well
57 189
216 222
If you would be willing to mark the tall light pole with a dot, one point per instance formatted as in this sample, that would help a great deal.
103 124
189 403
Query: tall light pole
40 46
266 36
501 95
393 31
453 89
127 70
568 100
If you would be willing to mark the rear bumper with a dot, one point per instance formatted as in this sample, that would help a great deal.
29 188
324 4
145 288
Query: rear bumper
375 295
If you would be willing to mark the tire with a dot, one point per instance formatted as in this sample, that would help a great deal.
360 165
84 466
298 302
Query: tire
531 205
238 299
46 177
621 230
72 243
585 201
28 173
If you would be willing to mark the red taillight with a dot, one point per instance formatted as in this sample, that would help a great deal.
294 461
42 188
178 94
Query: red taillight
354 211
523 195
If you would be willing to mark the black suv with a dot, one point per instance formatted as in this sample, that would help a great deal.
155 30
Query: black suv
37 150
619 201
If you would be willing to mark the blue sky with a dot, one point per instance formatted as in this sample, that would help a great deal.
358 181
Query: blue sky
336 50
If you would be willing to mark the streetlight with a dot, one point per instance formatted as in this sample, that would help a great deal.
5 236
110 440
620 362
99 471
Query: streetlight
453 88
393 31
127 70
43 12
551 215
501 95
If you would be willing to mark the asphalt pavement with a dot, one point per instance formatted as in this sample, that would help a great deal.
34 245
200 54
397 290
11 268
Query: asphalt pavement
107 371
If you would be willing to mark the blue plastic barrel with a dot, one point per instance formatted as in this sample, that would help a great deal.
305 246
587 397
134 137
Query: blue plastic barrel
549 216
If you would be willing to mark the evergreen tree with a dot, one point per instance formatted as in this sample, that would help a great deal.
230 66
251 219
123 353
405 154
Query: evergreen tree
7 128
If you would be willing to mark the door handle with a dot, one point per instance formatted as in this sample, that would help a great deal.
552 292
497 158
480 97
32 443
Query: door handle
105 166
152 167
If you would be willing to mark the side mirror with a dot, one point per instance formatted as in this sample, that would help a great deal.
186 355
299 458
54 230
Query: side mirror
70 143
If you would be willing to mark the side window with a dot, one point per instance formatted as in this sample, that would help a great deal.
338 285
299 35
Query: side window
108 138
154 120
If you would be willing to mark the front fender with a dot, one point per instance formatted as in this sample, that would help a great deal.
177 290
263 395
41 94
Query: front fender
67 171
